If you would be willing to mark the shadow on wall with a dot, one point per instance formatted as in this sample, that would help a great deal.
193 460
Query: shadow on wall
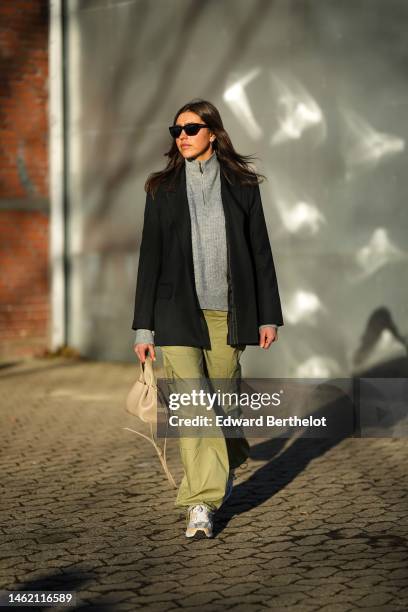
381 338
115 167
127 162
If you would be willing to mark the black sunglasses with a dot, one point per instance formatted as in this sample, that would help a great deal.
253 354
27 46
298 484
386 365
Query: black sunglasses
191 129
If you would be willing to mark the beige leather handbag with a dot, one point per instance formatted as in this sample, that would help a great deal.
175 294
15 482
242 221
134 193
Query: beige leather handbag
141 401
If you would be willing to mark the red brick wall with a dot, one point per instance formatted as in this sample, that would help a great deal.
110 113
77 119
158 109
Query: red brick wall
24 195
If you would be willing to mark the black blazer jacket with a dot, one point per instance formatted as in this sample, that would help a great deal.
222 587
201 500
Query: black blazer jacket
166 300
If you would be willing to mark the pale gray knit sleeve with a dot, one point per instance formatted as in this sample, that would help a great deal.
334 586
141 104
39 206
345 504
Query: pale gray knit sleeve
144 336
269 325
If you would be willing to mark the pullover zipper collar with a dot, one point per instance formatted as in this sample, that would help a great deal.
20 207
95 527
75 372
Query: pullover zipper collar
200 167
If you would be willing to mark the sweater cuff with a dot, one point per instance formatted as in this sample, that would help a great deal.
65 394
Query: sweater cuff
269 325
144 336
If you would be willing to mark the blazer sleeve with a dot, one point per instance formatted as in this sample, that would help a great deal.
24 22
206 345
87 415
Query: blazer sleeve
149 267
269 304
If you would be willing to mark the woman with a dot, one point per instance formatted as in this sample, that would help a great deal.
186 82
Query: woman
206 287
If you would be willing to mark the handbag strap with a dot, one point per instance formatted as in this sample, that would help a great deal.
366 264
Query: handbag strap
147 372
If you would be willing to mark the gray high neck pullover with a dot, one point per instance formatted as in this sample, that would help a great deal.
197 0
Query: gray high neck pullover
208 235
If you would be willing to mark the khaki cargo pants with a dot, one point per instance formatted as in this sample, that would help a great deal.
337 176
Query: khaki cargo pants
207 459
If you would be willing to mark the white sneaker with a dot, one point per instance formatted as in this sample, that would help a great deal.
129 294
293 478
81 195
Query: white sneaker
199 521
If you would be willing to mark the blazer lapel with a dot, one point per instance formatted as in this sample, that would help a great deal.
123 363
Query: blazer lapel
179 210
231 200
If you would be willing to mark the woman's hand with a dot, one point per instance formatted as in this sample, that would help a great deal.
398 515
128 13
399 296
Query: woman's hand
267 335
140 350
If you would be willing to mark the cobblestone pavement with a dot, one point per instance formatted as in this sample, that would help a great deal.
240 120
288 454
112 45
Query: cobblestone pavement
311 525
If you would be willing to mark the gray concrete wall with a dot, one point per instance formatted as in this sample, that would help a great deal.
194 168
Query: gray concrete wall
317 90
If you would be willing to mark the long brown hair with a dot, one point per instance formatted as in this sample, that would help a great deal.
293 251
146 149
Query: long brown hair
232 164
